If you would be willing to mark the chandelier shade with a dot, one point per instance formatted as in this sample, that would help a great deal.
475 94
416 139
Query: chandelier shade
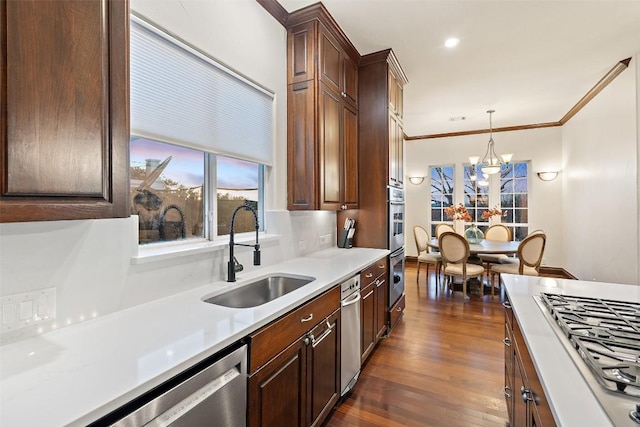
491 163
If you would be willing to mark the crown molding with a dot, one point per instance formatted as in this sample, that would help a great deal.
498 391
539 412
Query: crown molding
596 89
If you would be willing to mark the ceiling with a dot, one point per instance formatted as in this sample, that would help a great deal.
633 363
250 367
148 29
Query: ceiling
531 61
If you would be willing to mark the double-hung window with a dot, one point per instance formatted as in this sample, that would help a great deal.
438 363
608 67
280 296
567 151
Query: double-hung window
514 198
476 196
441 179
201 139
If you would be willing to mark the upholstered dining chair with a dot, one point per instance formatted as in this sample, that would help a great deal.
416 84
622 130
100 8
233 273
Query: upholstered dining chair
441 228
530 253
455 252
500 233
426 257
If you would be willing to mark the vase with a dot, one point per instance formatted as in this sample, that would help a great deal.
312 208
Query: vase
473 234
458 226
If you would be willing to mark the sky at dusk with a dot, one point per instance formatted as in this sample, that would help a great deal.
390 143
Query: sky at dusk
187 165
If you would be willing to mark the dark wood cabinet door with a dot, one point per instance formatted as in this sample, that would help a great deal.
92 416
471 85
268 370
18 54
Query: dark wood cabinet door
393 151
520 410
277 394
350 196
331 72
381 307
65 129
367 321
350 81
324 369
301 153
301 45
330 149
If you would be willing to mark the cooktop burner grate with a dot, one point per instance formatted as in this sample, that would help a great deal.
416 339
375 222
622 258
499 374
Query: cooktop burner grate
606 334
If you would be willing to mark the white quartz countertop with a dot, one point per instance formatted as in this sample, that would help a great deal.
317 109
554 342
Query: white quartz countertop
77 374
571 399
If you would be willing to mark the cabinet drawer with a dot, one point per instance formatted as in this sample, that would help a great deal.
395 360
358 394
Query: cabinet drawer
396 312
372 272
273 338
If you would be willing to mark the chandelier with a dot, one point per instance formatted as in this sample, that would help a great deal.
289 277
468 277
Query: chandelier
491 163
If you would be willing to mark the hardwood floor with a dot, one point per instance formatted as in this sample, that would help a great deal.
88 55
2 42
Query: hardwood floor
443 365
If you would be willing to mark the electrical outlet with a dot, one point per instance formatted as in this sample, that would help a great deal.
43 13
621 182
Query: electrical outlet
28 308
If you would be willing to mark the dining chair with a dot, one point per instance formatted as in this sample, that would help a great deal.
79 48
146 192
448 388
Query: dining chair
426 257
441 228
455 252
500 233
529 258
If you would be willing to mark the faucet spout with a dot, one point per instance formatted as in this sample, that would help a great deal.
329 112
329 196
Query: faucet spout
233 265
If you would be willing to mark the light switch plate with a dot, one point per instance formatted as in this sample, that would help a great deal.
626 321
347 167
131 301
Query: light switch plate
27 308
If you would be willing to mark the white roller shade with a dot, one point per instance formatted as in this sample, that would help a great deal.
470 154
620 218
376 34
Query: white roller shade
180 95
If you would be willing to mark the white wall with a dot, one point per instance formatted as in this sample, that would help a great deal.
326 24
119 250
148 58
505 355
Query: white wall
89 262
600 184
543 147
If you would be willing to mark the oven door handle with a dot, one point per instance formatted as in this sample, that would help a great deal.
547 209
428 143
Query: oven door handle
352 300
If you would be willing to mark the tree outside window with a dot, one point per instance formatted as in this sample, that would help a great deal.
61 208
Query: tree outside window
514 198
442 186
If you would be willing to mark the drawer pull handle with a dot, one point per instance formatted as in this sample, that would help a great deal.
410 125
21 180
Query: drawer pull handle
307 319
399 309
506 304
368 275
507 342
506 391
380 265
316 341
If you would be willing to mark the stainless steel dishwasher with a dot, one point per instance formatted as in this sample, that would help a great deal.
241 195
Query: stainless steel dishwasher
349 334
212 393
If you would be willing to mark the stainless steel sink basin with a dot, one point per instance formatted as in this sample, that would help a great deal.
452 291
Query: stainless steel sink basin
260 291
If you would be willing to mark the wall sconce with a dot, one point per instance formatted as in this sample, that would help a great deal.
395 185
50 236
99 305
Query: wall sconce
416 180
547 176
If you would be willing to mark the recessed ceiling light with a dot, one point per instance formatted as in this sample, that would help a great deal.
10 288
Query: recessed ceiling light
451 42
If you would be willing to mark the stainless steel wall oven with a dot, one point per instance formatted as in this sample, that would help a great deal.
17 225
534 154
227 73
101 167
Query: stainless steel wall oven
396 218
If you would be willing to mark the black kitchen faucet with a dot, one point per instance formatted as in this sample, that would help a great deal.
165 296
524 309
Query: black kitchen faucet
233 265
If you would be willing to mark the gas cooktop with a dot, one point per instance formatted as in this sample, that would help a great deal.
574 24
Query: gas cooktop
605 334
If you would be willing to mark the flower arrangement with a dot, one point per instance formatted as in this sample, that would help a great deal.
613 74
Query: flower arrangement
458 212
494 211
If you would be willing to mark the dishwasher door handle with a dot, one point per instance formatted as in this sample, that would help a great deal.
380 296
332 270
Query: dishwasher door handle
350 301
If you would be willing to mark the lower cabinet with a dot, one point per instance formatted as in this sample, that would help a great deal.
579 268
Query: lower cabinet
367 321
527 404
294 363
373 307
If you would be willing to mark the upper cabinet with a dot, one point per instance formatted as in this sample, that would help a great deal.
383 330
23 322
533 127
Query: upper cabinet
380 149
322 106
65 130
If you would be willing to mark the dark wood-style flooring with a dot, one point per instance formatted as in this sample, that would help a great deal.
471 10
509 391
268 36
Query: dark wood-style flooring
443 365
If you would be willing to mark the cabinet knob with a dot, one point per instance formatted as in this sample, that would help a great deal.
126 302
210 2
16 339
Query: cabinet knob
343 94
343 207
507 342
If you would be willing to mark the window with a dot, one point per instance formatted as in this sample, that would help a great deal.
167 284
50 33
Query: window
169 190
476 197
441 194
514 198
201 137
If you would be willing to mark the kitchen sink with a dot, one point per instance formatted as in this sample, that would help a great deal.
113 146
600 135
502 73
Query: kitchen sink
260 291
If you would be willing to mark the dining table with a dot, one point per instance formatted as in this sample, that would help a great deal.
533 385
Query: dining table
486 246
